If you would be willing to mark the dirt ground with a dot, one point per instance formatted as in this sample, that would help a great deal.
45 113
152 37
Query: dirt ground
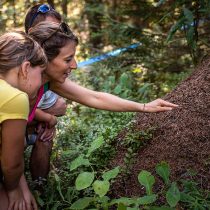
181 138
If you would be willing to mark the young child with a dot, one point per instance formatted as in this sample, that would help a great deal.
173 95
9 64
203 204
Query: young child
22 62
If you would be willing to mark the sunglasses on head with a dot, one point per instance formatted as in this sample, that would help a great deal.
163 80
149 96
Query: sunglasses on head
44 8
63 28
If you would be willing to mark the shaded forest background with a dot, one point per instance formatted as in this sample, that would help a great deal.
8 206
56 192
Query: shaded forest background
173 34
174 37
105 24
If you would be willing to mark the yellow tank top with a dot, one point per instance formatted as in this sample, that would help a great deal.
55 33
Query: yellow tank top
14 104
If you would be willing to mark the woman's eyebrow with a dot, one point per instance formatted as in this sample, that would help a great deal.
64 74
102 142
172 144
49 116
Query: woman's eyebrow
69 56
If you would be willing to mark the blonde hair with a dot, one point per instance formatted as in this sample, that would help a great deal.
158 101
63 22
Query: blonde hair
17 47
51 37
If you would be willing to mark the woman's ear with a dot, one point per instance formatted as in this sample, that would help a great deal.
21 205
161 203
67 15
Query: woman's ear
24 69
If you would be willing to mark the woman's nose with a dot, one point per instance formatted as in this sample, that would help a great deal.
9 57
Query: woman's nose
73 64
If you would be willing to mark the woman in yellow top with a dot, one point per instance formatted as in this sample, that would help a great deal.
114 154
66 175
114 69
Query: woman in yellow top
22 62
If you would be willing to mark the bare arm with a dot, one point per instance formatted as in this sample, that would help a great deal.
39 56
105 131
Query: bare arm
42 116
28 197
106 101
13 135
46 126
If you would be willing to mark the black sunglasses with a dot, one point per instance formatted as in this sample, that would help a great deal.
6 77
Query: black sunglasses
44 8
63 28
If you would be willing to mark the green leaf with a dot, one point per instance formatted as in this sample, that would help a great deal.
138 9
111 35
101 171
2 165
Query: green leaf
101 187
95 144
38 199
190 37
163 171
55 206
84 180
79 161
174 28
57 178
111 174
111 79
92 209
124 79
58 187
173 195
147 199
147 180
188 15
160 2
126 201
103 200
160 208
82 203
121 206
184 197
129 208
118 89
144 89
69 152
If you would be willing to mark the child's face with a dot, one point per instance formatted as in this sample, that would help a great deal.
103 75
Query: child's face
61 66
33 81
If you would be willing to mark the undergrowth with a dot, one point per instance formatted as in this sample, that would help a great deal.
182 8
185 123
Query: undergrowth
80 177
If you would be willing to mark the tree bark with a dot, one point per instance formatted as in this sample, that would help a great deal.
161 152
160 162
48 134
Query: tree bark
64 7
51 3
14 13
2 21
94 19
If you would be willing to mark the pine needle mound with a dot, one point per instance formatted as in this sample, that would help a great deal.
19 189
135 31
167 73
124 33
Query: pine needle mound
181 137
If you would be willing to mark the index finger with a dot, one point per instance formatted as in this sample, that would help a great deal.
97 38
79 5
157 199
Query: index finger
11 205
34 205
28 206
167 103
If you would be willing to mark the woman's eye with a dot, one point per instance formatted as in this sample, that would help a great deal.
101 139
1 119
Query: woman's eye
68 60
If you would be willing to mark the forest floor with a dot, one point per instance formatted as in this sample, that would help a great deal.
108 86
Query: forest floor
181 137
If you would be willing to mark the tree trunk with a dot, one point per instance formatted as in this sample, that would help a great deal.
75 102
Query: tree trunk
51 3
64 8
2 21
14 14
27 4
93 14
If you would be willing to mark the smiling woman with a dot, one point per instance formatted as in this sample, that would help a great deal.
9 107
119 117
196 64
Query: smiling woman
60 67
59 44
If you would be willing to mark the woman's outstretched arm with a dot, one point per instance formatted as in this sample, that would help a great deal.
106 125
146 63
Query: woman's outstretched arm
106 101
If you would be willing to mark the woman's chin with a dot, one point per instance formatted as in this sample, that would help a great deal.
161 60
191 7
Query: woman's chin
61 80
64 78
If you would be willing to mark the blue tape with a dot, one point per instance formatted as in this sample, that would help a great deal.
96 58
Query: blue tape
107 55
115 52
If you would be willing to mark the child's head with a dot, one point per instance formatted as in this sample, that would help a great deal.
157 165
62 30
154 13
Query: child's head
22 61
39 13
59 44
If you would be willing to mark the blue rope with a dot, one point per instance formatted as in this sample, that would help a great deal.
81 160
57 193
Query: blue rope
107 55
115 52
